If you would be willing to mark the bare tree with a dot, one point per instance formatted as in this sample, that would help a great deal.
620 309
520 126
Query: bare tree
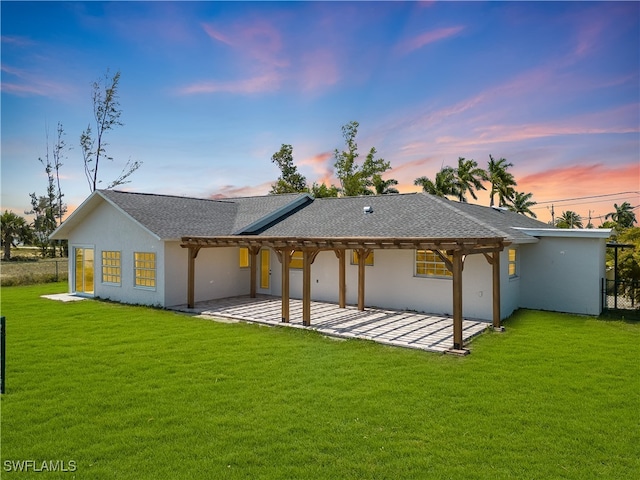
106 113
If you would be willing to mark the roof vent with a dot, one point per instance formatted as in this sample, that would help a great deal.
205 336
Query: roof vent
368 209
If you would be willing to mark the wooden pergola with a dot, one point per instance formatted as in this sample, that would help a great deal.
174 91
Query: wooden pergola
456 248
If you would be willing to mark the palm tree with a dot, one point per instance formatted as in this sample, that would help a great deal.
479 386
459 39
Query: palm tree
522 203
469 177
569 219
623 216
384 187
14 228
502 182
444 184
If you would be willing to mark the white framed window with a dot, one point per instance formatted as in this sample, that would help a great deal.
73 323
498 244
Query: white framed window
513 263
145 269
111 267
429 264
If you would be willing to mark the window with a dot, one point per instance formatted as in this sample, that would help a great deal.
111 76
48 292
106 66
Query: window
513 262
145 269
429 264
355 257
245 259
296 260
110 267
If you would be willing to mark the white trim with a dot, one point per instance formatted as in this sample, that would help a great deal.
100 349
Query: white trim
566 232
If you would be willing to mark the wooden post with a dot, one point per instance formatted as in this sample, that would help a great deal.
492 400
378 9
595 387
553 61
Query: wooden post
306 286
494 261
286 260
342 283
496 290
457 300
253 260
191 276
362 258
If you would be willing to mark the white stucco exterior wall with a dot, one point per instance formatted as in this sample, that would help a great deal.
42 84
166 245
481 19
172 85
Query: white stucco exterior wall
391 283
107 229
563 274
509 286
217 274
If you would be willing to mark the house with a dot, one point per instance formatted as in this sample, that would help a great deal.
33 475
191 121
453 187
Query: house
405 251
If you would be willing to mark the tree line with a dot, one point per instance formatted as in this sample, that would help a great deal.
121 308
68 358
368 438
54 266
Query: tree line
366 178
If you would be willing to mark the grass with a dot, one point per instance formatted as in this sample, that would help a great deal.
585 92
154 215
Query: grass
138 393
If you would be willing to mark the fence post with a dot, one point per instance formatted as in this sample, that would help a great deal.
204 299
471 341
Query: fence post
3 328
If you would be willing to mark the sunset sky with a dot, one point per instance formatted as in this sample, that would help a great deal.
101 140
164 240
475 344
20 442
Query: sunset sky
210 90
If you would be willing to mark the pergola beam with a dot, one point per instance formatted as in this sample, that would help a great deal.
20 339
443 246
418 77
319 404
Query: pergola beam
466 245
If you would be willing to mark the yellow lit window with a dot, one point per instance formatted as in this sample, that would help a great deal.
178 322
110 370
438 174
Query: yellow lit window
355 256
145 269
429 264
296 260
513 262
244 257
110 267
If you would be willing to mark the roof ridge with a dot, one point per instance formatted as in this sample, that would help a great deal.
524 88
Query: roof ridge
186 197
406 194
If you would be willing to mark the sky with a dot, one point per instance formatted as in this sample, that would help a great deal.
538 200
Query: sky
209 91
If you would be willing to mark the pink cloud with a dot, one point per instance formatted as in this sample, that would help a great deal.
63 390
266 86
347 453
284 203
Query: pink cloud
619 120
319 70
260 62
258 41
577 180
25 83
267 82
16 41
427 38
233 191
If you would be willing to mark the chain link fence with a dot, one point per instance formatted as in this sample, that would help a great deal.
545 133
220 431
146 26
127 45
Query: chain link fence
621 295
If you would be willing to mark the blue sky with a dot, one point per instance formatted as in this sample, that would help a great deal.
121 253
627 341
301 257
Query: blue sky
210 90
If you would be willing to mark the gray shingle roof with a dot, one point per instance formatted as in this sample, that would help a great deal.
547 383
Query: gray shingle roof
402 215
298 215
172 217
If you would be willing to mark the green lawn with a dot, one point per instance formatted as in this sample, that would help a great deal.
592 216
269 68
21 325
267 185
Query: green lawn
138 393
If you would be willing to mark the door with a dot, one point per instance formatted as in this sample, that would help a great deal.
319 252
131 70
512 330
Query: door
84 268
265 269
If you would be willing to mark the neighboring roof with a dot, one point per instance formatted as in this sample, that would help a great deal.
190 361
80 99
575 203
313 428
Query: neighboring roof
299 215
567 232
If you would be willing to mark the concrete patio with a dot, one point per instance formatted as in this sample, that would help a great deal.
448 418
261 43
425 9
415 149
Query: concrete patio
421 331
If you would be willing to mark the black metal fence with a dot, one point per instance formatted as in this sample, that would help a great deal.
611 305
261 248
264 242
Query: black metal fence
621 295
3 356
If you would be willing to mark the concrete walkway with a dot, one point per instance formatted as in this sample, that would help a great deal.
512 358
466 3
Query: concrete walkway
399 328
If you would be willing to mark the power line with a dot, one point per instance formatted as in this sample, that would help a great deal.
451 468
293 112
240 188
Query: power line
591 196
576 203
